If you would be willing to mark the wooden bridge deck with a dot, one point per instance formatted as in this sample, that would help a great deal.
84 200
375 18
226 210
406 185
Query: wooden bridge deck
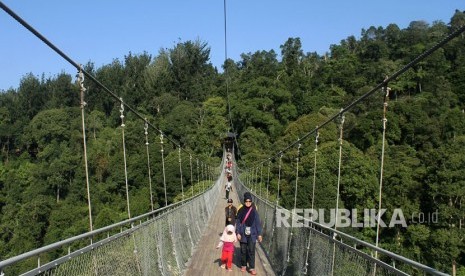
206 258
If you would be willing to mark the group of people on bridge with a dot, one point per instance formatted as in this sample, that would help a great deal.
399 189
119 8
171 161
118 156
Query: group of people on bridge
242 224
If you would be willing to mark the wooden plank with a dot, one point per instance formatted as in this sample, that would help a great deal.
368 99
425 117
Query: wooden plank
206 258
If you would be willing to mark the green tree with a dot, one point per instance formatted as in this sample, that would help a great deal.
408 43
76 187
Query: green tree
191 71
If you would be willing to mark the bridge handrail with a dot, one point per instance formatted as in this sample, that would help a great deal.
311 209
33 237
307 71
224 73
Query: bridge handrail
390 254
90 234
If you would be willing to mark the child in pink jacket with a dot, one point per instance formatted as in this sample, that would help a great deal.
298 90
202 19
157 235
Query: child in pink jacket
227 240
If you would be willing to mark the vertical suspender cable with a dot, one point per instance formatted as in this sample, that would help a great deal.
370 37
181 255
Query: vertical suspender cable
261 179
198 173
192 179
124 157
226 67
257 188
210 174
268 182
163 167
255 179
225 37
386 97
207 174
293 213
297 175
279 176
80 79
226 73
180 171
314 168
146 132
250 178
315 151
203 176
341 130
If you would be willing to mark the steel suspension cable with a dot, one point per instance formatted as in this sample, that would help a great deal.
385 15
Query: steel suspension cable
203 176
163 167
279 177
226 67
381 170
276 205
188 225
124 157
256 179
180 171
192 179
266 213
315 152
261 180
293 213
250 178
80 80
210 171
210 175
341 130
198 173
146 133
226 73
268 182
297 175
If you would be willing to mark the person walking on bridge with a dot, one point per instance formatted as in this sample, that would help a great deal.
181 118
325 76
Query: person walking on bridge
230 213
249 231
228 187
227 240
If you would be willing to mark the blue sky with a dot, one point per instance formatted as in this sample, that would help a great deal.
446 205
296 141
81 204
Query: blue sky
103 30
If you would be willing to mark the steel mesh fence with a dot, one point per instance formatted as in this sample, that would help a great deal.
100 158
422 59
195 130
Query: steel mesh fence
310 250
160 246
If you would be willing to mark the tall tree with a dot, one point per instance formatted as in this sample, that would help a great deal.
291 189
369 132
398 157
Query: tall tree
191 69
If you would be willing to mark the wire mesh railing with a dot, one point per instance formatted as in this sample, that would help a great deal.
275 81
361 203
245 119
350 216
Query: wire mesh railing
315 249
157 243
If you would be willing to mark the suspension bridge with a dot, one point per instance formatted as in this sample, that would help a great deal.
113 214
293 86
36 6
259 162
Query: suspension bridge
180 238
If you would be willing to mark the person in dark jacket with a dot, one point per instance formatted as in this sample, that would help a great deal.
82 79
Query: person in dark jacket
230 212
249 231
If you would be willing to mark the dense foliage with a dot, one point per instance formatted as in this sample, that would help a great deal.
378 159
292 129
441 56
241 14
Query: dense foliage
273 102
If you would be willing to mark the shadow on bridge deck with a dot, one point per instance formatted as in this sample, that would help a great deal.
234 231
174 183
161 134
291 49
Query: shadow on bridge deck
206 259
